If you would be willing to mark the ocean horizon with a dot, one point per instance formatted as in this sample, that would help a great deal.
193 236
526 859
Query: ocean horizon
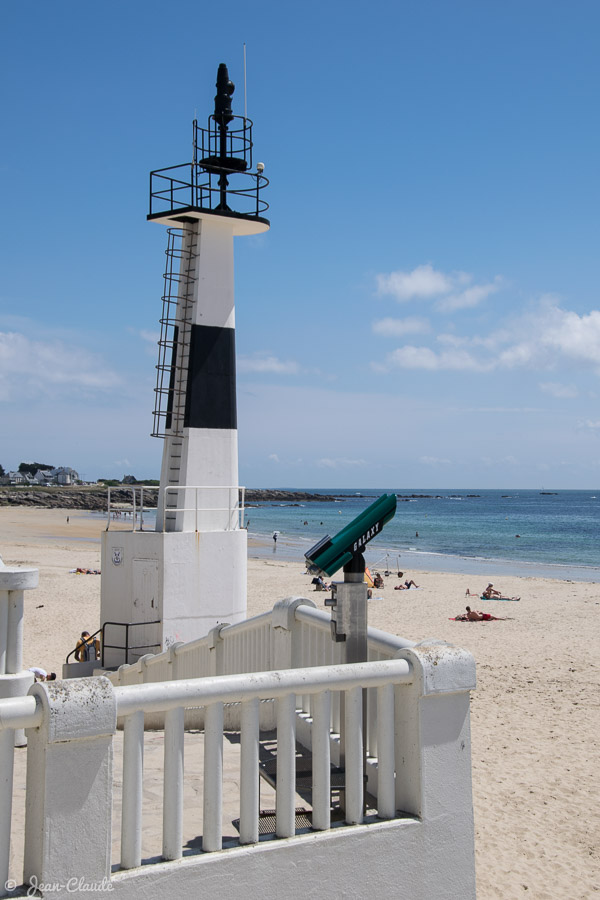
551 534
535 533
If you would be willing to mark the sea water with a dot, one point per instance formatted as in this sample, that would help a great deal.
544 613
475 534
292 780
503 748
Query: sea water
551 534
479 532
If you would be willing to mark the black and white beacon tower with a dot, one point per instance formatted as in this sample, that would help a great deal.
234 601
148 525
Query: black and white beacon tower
193 567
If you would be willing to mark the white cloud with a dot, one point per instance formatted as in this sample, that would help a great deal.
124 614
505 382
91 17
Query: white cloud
434 461
263 363
590 425
33 368
399 327
339 462
273 457
468 298
455 289
410 357
423 282
554 337
562 391
151 337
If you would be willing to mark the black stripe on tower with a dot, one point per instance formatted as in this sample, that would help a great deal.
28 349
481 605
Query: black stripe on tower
171 394
210 398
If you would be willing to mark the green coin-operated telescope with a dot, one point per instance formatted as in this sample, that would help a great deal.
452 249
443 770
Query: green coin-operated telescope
346 548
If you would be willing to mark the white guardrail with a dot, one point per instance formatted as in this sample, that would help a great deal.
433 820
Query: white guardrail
173 698
234 510
316 701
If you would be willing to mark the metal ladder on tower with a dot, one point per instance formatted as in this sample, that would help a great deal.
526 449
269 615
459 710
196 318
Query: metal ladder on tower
185 307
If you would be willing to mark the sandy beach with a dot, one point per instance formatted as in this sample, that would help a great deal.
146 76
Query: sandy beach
535 714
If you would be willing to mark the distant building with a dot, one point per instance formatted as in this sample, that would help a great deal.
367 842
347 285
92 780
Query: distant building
62 475
17 478
65 475
43 476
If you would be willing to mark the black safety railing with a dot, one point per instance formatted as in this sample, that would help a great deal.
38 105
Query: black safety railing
219 179
189 186
100 635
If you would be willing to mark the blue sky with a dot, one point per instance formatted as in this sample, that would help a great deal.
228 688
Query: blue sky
424 310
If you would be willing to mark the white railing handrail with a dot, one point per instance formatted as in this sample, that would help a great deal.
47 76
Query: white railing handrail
20 712
237 507
164 695
379 641
247 625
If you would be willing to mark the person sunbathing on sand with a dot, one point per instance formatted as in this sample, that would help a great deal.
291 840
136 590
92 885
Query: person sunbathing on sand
472 615
491 593
407 584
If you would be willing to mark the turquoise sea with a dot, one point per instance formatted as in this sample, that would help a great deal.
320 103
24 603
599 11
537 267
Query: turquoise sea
484 532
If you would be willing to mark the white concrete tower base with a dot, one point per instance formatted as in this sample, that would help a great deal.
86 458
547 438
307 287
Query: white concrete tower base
189 581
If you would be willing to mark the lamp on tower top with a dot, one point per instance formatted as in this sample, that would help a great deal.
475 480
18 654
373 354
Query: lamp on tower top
219 180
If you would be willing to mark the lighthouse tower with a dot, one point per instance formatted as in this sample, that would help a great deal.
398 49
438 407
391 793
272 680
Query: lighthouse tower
189 575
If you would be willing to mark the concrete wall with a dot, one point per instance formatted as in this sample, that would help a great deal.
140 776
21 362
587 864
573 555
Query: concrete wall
154 575
400 860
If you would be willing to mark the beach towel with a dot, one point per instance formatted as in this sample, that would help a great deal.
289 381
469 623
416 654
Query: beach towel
500 598
491 619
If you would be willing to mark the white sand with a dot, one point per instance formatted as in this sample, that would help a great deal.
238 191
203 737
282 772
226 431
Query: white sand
535 715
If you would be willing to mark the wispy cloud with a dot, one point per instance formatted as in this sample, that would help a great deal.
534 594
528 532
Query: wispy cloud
263 363
33 368
452 291
410 357
470 297
150 337
423 282
590 425
434 461
553 337
340 463
273 457
561 391
399 327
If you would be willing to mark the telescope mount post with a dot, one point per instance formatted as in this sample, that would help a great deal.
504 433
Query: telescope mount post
349 624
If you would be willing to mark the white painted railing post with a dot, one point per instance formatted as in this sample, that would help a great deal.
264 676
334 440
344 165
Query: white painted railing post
212 828
131 806
321 755
173 784
215 647
283 622
14 682
433 755
173 660
69 783
353 708
285 813
249 774
386 801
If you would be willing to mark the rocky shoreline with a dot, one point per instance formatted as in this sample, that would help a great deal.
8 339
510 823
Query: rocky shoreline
94 499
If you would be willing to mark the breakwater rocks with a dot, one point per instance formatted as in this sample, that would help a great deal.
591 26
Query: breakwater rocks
95 498
290 498
70 498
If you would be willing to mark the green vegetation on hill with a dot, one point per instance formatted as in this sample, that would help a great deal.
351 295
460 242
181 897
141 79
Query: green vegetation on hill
32 467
